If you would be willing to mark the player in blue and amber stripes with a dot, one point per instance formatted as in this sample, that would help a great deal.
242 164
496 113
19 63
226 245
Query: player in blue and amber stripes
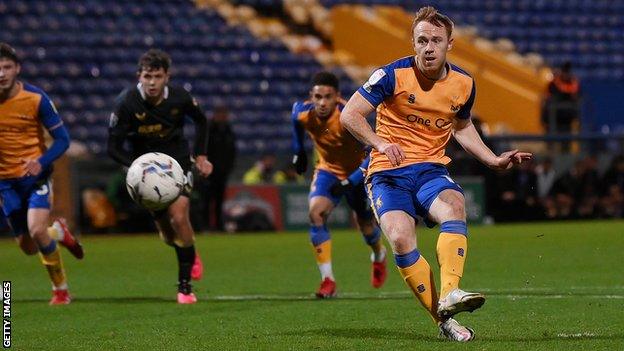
26 167
421 101
339 172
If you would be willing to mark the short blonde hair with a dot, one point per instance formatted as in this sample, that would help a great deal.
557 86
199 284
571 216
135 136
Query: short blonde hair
430 14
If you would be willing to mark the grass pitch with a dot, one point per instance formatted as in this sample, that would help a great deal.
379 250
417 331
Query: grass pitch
554 286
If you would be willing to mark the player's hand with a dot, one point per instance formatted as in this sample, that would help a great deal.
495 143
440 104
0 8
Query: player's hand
508 159
340 187
393 151
204 167
32 167
300 161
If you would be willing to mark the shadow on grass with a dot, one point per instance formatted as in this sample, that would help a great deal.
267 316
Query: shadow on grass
387 334
550 337
120 299
359 333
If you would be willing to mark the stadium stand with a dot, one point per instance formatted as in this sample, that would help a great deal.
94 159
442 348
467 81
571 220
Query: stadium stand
84 52
587 33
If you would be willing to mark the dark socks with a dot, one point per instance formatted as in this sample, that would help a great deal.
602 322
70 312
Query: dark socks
186 258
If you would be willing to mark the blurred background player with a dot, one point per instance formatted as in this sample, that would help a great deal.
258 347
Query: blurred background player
151 117
25 188
562 107
222 154
342 161
421 100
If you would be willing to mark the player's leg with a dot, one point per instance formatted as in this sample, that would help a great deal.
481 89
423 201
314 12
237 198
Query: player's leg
399 227
175 229
38 219
59 230
391 196
320 208
448 209
321 203
358 201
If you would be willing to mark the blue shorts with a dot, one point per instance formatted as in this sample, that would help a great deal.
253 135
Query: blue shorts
19 194
356 197
411 189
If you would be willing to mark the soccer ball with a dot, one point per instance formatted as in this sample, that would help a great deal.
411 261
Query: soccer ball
155 180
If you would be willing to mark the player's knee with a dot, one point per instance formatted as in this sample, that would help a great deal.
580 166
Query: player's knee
316 217
454 209
179 221
39 232
398 237
401 244
457 209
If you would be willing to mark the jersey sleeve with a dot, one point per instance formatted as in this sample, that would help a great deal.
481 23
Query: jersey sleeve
298 131
194 111
47 112
118 130
379 86
52 121
464 111
119 121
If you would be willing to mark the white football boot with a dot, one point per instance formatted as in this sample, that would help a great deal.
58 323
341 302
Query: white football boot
451 330
459 301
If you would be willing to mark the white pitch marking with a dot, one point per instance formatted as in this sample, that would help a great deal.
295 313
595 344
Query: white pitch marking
576 335
402 294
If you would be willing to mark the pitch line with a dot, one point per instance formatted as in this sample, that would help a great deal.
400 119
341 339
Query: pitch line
401 295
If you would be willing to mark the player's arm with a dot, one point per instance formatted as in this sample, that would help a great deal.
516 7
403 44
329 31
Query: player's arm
201 137
353 118
53 123
467 136
118 129
300 157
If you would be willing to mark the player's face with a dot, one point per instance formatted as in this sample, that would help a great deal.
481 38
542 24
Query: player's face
154 82
431 44
325 99
8 74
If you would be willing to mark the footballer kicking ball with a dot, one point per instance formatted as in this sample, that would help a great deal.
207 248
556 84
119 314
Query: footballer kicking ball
155 180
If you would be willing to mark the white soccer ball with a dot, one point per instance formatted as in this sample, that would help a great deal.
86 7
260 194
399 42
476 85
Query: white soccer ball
155 180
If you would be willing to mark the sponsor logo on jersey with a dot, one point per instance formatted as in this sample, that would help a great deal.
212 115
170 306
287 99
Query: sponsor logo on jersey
411 99
374 79
440 122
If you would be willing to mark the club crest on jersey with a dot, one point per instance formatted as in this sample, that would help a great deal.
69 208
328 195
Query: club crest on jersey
140 116
455 105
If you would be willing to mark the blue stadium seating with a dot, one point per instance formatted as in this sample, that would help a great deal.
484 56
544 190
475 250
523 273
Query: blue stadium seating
587 33
83 53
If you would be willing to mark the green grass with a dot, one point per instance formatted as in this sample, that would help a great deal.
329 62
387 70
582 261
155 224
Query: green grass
557 286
